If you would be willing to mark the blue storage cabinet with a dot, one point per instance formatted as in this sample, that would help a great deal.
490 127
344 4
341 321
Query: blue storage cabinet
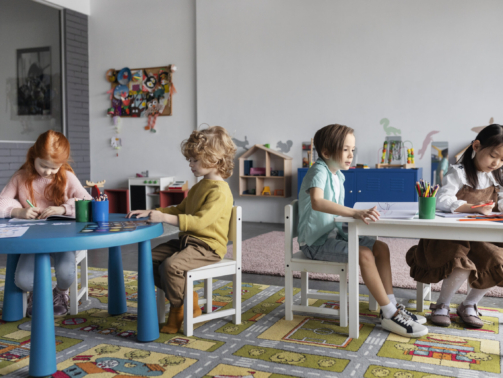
376 185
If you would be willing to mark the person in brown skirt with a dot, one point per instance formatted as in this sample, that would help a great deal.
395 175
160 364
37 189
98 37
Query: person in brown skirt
475 181
203 217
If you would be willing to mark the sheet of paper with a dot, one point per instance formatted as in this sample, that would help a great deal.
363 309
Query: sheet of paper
12 232
457 215
391 210
18 220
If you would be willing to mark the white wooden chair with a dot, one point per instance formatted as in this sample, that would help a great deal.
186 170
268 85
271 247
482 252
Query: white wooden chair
423 291
298 262
207 273
75 294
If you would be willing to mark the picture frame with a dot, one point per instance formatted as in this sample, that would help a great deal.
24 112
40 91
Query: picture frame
33 81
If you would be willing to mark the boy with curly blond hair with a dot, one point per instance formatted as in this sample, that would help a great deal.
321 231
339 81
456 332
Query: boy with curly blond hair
203 218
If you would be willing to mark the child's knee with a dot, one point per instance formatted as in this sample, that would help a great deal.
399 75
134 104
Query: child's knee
24 282
366 256
380 249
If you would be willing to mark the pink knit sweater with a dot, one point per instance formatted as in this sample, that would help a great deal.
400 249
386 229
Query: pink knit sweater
15 194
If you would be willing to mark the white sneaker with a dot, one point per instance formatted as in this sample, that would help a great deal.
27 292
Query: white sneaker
403 325
417 318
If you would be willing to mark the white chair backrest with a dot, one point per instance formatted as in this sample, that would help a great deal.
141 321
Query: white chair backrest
291 228
235 233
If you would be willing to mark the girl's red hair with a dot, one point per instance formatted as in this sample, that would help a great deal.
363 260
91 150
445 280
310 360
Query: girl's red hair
52 146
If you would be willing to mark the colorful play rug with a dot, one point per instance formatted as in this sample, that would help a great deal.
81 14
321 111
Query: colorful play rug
95 344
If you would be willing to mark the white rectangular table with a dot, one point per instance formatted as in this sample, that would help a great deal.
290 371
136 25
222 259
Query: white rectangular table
438 228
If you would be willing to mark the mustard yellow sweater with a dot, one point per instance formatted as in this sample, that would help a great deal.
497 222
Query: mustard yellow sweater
205 213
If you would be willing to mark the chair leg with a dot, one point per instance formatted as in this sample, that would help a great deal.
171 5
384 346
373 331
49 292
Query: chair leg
188 320
161 306
372 303
25 302
288 294
343 299
304 301
428 296
208 295
83 277
236 297
419 297
74 293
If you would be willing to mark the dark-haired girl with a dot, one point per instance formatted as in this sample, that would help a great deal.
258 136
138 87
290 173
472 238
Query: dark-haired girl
476 180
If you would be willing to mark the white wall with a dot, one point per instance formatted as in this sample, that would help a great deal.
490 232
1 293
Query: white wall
81 6
126 33
23 25
275 70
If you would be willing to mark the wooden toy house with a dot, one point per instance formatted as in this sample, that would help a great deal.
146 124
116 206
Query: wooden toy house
277 177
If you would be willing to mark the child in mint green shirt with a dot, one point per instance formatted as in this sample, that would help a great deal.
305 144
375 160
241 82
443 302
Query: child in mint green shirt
321 197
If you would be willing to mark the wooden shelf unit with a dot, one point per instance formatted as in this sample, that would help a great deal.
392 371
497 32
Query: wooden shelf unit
118 200
284 183
172 197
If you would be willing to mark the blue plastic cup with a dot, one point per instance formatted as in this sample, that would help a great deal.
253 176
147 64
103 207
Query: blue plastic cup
100 211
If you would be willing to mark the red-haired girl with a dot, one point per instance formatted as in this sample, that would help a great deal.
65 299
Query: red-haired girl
48 182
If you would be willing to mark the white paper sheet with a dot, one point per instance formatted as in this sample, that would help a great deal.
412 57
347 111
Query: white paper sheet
391 210
457 215
12 232
19 220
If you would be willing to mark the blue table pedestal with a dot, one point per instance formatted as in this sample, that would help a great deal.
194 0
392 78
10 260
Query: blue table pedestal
148 328
13 296
116 290
43 340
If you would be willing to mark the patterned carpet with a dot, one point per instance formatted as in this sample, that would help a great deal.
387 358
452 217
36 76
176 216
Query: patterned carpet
95 344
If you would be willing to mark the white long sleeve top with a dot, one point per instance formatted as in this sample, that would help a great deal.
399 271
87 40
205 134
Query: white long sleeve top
454 180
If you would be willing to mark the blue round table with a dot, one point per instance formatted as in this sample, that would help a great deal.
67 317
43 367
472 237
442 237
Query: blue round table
48 238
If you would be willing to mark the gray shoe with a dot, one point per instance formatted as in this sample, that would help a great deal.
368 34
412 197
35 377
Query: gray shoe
472 321
60 302
29 308
440 320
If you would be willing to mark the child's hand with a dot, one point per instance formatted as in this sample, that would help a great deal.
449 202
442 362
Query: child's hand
373 214
28 213
52 210
139 213
485 210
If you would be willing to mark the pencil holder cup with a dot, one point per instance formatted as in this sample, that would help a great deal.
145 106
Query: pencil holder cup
100 211
83 211
427 206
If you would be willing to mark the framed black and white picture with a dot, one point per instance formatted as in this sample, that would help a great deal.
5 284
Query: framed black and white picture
34 81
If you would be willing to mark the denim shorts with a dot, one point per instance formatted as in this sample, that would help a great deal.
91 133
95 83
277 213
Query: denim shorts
335 249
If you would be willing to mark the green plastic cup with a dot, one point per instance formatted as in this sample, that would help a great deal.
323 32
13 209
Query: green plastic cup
83 211
427 207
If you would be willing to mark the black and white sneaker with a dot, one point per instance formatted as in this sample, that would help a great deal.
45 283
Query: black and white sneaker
403 325
417 318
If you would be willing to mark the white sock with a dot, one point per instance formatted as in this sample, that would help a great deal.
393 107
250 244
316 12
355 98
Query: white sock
392 298
449 287
473 297
389 310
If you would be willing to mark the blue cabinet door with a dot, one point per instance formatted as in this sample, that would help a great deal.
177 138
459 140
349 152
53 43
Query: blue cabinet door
390 185
349 187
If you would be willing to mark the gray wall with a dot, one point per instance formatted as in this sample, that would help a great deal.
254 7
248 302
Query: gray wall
278 70
165 34
13 155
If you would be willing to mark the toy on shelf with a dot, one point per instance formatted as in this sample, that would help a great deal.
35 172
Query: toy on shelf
257 171
395 155
279 192
179 185
142 174
266 191
309 154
